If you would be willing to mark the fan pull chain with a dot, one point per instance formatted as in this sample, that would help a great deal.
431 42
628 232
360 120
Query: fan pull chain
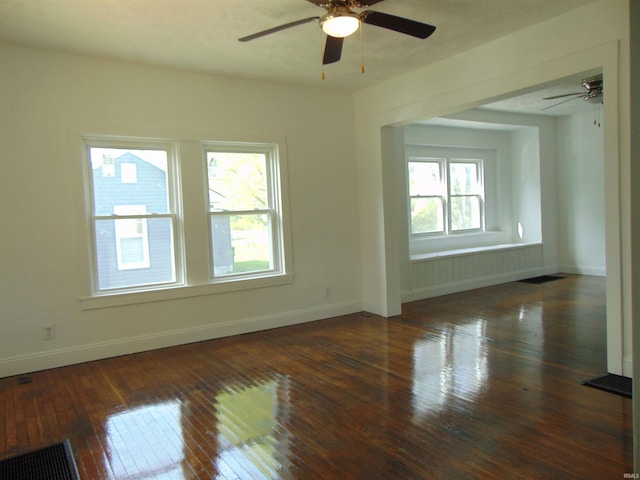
361 51
321 52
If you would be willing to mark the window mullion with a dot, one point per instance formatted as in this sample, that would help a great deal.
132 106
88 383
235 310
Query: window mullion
194 220
446 200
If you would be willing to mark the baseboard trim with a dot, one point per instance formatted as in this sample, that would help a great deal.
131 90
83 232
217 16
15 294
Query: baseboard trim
578 270
32 362
470 284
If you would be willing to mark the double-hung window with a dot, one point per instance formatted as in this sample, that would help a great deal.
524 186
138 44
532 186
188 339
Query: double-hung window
133 216
446 195
466 195
187 216
244 209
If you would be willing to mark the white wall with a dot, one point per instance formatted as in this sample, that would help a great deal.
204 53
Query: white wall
47 97
634 179
528 148
595 36
581 212
496 180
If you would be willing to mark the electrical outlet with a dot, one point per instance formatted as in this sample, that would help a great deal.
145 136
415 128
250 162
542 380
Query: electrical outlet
48 332
327 291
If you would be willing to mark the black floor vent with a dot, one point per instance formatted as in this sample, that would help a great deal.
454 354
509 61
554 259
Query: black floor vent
54 462
542 279
612 383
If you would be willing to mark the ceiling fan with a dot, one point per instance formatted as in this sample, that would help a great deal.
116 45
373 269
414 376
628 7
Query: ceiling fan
594 87
341 20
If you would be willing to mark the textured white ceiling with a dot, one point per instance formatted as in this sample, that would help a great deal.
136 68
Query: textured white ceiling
532 101
201 35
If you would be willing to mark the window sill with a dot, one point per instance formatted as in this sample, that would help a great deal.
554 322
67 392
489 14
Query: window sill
420 257
108 300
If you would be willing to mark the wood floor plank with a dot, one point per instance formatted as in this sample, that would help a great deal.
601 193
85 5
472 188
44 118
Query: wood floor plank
483 384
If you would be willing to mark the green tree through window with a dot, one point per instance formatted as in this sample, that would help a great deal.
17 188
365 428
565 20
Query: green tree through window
240 212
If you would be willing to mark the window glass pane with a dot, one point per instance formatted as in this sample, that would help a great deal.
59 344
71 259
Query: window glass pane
133 251
141 256
129 177
465 213
132 237
426 215
237 181
241 244
424 178
463 178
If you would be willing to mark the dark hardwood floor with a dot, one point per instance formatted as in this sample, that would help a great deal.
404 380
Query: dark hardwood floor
478 385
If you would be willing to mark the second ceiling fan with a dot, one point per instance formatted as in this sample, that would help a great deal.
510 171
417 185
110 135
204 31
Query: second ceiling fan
341 20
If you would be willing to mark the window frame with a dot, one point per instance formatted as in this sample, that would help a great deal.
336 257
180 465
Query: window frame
173 209
273 209
444 157
480 164
439 195
191 244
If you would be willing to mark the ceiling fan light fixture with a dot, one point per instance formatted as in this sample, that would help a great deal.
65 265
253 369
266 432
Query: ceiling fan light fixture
340 25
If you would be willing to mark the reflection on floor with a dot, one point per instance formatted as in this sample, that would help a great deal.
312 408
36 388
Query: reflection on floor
482 384
452 364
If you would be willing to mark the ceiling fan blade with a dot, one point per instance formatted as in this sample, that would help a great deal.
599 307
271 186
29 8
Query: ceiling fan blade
332 50
398 24
277 29
564 95
559 103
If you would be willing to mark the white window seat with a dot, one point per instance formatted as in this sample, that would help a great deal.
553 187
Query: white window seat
421 257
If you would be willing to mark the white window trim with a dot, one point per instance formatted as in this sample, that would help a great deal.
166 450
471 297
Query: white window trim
444 163
442 195
430 243
273 211
193 247
132 143
480 196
